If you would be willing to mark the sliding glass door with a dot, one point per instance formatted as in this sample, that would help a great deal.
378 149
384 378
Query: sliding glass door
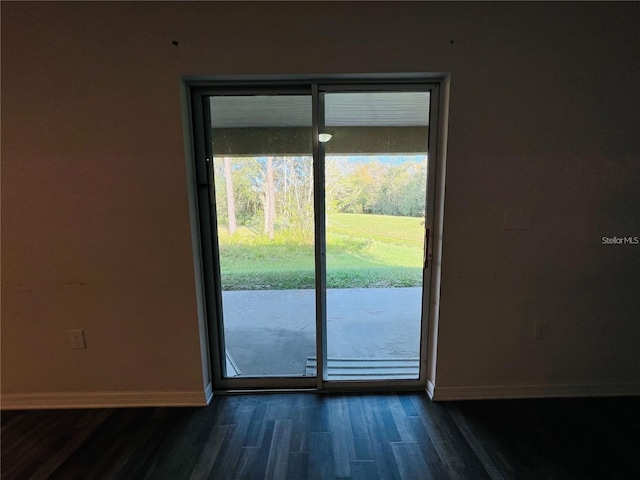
315 210
263 192
376 196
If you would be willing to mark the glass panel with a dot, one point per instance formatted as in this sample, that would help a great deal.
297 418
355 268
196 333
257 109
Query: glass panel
263 173
376 177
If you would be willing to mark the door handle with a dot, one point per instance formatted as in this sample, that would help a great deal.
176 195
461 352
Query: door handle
426 249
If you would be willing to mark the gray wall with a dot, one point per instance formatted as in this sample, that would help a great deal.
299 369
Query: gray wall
95 219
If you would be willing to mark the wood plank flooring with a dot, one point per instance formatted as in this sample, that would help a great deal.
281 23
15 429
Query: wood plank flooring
313 436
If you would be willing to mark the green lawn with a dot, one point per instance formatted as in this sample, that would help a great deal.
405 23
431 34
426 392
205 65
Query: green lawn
362 251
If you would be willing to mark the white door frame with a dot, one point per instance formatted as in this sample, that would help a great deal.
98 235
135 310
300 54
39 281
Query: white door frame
196 94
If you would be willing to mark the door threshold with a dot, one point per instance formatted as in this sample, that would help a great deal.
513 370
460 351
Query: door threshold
367 368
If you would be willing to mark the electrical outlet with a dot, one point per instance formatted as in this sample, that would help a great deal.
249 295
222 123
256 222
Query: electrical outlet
77 339
540 330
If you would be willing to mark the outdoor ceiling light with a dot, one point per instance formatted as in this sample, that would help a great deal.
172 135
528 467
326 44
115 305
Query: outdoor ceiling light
324 137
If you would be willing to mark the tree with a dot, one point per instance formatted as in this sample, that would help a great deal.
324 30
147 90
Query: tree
231 204
293 180
378 185
270 201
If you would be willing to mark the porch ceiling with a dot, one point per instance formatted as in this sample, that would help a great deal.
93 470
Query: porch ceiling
352 109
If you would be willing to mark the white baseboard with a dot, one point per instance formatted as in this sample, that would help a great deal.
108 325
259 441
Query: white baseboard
208 393
53 400
430 388
531 391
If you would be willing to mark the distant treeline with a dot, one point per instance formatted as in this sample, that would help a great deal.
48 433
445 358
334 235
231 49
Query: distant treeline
270 193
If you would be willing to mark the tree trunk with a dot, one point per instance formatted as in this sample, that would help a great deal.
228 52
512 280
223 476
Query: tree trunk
285 210
310 195
231 204
270 206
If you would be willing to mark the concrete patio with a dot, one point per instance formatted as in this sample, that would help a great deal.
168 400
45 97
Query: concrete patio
272 332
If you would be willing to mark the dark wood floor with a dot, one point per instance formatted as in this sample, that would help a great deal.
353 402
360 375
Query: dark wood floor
298 436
